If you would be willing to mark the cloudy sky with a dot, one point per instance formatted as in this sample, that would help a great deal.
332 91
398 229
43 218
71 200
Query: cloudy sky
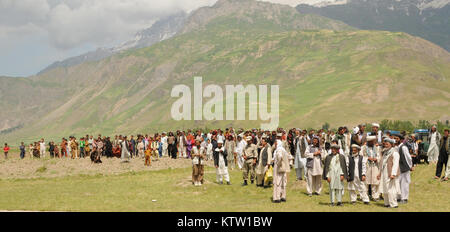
36 33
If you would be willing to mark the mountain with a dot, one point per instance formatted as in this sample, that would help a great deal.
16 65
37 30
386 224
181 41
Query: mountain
326 70
429 19
162 29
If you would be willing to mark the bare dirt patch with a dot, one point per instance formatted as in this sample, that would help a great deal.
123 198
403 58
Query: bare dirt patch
14 168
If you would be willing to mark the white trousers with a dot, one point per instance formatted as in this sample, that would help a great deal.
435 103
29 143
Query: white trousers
390 192
165 151
313 183
375 191
301 170
183 152
358 186
404 180
433 153
224 176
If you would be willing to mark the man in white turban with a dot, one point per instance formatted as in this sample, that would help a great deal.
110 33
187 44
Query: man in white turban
220 162
280 170
389 172
372 152
356 164
434 138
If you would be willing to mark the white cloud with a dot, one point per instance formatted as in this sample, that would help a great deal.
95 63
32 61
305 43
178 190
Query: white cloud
70 23
33 33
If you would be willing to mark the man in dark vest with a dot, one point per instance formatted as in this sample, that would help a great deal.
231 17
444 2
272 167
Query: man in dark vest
357 175
263 162
406 166
444 152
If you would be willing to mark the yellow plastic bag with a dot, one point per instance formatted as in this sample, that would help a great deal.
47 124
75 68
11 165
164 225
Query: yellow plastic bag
268 177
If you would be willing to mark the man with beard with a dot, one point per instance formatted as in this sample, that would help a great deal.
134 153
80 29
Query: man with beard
220 162
335 172
300 145
434 138
356 164
372 153
376 132
250 154
263 162
389 172
342 140
314 157
280 171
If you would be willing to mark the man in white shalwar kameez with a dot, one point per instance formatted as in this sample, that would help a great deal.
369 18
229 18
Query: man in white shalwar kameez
280 170
335 172
356 164
314 155
372 152
220 162
125 157
165 144
389 172
433 150
240 146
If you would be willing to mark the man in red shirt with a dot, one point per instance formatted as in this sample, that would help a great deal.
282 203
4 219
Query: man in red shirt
6 150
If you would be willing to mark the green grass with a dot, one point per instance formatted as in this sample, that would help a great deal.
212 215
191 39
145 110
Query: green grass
172 190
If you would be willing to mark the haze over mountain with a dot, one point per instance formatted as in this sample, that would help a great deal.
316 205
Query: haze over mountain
324 68
429 19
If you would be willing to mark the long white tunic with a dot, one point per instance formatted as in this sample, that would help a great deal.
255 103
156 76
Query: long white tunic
334 173
357 184
317 168
240 146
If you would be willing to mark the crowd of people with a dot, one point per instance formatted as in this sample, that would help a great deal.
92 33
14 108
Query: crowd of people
374 164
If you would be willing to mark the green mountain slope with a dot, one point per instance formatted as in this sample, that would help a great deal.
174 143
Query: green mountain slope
342 77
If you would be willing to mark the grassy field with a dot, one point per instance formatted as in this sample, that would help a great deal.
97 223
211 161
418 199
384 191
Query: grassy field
135 189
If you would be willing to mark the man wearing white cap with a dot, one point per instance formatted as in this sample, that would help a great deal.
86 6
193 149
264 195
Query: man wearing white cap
314 167
250 154
389 172
434 138
356 164
335 172
376 132
220 162
372 153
